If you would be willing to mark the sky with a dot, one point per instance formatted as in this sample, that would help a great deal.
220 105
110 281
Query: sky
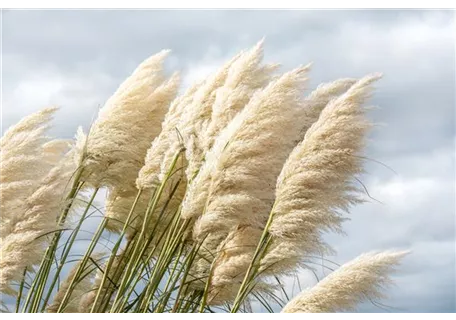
76 59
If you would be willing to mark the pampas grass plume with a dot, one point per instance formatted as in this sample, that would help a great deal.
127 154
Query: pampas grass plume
360 279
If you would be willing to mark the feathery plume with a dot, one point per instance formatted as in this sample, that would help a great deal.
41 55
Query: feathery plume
194 121
119 139
187 121
253 148
14 194
149 174
38 121
317 100
55 149
154 170
20 248
127 124
238 176
235 254
245 76
233 263
26 157
80 146
360 279
315 184
312 107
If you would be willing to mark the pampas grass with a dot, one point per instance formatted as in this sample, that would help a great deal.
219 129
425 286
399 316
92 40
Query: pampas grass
126 125
358 280
241 191
213 197
25 242
27 156
316 184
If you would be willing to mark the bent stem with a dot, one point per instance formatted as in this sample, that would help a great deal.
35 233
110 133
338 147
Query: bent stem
114 251
81 266
21 288
141 247
68 248
253 267
36 290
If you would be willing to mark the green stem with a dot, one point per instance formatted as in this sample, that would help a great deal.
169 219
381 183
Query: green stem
120 304
31 292
81 266
21 288
206 287
68 248
170 282
133 260
140 248
259 251
44 269
163 261
188 265
114 251
119 270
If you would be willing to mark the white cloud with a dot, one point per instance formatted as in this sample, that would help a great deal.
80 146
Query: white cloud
199 71
79 95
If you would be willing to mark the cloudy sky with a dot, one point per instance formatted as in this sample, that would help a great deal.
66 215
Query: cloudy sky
76 59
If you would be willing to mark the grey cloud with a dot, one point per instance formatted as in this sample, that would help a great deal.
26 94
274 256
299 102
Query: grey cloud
417 214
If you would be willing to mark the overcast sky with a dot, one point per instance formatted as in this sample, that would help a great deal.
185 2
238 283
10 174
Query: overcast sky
76 59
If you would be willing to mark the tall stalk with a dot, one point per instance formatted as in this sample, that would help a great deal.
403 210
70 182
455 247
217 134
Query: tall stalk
67 249
141 246
253 266
36 290
21 289
85 259
114 251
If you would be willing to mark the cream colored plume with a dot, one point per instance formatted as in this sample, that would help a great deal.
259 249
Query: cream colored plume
247 158
234 256
149 174
232 264
20 133
184 130
26 157
235 186
358 280
82 288
245 76
24 245
194 121
118 140
312 106
14 194
315 184
319 98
